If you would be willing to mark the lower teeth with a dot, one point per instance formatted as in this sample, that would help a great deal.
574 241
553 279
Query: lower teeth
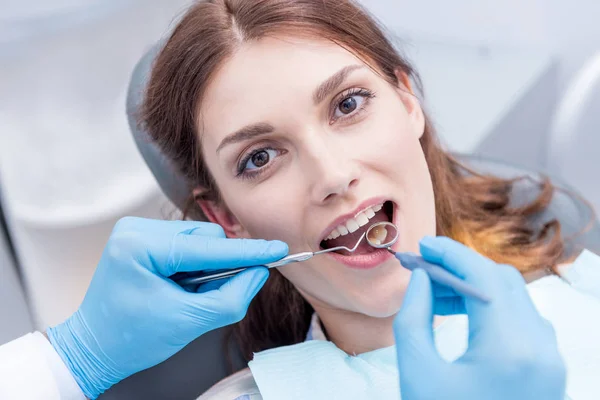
377 235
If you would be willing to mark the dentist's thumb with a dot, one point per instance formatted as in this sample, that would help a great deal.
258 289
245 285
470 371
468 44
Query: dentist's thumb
413 331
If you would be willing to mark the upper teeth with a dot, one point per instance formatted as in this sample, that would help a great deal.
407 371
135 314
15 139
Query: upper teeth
352 225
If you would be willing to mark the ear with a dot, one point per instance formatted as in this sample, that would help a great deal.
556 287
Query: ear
219 214
411 102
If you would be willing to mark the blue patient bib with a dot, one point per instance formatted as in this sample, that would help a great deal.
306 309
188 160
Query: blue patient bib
317 369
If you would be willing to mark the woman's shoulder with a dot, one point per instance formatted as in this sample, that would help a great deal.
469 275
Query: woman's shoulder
239 386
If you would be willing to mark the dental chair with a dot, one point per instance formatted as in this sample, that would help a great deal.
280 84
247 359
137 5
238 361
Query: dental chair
202 363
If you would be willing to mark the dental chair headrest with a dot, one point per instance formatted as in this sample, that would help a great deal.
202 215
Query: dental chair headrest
170 181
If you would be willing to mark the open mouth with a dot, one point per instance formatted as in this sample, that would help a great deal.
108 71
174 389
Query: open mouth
348 233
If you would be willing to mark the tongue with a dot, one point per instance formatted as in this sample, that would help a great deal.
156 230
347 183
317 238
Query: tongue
350 239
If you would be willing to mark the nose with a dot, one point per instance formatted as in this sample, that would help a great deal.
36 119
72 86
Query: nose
333 173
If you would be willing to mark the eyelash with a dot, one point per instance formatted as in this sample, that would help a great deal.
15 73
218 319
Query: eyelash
367 94
254 174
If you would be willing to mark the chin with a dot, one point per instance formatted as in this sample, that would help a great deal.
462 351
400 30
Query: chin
381 309
384 298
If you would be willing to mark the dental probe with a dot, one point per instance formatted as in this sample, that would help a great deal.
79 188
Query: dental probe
292 258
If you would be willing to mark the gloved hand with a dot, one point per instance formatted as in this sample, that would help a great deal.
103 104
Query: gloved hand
512 351
133 317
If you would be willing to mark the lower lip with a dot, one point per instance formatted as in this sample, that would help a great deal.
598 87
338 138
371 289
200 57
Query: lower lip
363 261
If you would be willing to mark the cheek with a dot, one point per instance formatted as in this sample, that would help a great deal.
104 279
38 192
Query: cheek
394 147
401 163
270 213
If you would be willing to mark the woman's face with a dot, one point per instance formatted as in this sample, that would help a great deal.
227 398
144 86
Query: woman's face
301 136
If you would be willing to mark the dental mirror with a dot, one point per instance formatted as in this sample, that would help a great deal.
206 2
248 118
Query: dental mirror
382 235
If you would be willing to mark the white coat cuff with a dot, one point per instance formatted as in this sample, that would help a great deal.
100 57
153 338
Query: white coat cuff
30 368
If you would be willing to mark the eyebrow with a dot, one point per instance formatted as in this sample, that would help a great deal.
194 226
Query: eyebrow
246 133
262 128
333 82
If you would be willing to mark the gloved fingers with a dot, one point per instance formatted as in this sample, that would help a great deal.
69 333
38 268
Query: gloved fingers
149 241
413 326
207 229
519 301
446 300
441 291
228 304
208 286
462 262
167 228
199 253
513 279
449 306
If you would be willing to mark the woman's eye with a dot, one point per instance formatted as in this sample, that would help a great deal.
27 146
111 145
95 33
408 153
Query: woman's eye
348 105
260 158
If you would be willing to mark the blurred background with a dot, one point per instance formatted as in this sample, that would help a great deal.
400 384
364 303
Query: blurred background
515 80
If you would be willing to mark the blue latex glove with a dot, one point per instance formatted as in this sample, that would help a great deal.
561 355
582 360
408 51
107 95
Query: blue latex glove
133 317
512 351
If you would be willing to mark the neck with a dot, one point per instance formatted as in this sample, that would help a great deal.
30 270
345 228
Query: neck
356 333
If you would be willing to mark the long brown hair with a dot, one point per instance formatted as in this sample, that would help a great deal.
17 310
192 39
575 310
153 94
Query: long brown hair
471 208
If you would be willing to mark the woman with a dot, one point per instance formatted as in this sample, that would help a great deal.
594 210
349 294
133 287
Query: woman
297 121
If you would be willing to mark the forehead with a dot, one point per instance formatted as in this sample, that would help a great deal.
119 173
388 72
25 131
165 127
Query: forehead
268 73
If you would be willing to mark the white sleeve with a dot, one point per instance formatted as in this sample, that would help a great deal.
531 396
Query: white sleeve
30 368
574 316
584 274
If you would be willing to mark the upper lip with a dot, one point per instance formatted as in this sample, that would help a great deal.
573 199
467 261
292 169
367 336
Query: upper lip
345 217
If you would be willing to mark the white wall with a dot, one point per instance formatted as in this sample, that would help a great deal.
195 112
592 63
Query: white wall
474 21
69 168
573 32
567 28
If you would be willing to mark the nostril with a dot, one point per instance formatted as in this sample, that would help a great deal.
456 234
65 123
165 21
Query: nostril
329 196
341 190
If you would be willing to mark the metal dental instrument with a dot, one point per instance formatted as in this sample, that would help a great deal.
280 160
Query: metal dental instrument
380 235
385 234
220 274
440 275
